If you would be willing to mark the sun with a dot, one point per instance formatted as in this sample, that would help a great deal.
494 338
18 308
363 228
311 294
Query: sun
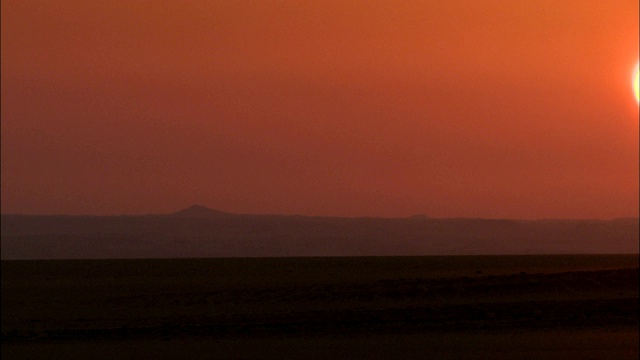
636 89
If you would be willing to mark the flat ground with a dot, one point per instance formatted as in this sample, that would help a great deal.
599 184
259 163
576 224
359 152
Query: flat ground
505 307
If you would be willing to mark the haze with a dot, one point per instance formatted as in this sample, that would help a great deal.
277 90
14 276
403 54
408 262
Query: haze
494 109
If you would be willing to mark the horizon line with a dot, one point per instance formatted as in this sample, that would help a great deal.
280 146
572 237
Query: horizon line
204 209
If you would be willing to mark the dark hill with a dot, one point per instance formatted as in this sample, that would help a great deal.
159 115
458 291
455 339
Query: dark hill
200 232
199 211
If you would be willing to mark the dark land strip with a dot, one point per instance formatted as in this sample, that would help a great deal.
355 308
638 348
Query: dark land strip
93 310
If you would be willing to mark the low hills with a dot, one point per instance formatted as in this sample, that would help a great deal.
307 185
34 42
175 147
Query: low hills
198 211
200 232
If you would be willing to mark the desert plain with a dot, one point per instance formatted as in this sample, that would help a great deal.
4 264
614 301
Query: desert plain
436 307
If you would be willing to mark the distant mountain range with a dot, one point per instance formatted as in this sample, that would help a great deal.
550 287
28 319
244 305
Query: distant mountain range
200 232
199 211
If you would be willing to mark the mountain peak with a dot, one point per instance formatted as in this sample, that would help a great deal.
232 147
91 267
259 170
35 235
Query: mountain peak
198 211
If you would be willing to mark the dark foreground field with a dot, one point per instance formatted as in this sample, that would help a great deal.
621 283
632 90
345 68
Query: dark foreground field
468 307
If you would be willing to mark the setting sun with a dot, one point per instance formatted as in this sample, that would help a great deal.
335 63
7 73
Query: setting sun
636 89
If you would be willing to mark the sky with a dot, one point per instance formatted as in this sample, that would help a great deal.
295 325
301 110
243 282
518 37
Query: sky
447 108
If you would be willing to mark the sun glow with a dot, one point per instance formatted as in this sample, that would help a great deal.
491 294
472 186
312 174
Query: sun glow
636 89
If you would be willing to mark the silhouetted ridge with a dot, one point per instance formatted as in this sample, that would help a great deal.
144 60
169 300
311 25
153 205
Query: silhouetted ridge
199 232
199 211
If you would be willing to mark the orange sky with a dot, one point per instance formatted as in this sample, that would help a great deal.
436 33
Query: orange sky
471 108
